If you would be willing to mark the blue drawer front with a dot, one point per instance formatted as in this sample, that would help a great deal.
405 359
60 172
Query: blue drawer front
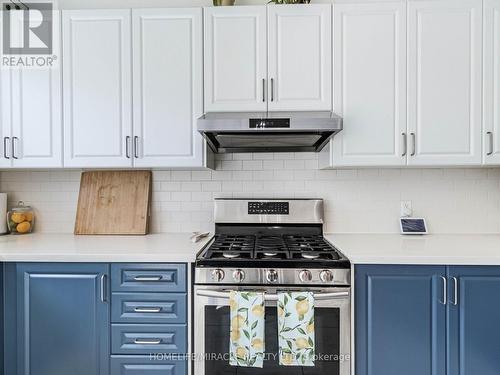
148 338
148 308
130 277
140 365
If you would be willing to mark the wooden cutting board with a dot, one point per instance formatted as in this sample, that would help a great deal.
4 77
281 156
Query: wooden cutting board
114 202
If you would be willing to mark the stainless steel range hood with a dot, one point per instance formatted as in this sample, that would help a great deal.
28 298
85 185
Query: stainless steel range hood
268 132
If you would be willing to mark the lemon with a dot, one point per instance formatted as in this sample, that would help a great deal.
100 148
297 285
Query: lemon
23 227
17 217
29 216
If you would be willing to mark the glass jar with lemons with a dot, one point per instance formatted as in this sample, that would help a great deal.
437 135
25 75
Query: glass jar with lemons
21 219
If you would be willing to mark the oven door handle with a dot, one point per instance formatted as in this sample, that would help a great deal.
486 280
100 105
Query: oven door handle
271 297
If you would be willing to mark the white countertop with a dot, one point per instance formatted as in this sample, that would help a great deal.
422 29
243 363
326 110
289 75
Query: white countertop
437 249
457 249
70 248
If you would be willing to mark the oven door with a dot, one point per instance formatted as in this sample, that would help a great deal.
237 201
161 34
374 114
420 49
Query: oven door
212 327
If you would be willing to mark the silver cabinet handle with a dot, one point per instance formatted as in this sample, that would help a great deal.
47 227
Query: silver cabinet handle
455 291
136 147
414 146
405 144
127 146
147 278
445 291
147 309
14 141
271 297
5 144
272 89
263 90
103 288
147 342
490 144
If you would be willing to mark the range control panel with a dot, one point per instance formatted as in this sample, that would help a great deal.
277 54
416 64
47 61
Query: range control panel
268 208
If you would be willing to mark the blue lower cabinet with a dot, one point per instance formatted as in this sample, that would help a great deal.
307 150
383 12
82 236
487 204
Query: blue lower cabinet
61 319
148 277
164 308
147 365
400 320
148 338
474 320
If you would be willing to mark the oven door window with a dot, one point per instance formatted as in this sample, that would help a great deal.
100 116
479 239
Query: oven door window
327 336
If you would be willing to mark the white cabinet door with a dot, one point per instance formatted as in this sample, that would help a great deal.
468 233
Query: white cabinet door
444 82
370 83
5 117
36 118
491 83
168 87
235 59
97 88
300 57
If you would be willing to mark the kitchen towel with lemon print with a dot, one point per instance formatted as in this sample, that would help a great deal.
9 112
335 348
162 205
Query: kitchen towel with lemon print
296 328
247 329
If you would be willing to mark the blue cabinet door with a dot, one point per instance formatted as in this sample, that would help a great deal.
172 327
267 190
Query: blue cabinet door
400 320
474 321
62 319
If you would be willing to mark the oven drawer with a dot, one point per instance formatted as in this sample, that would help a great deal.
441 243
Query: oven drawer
148 308
144 365
148 338
130 277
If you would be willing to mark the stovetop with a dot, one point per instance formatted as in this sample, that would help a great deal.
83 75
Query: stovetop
285 251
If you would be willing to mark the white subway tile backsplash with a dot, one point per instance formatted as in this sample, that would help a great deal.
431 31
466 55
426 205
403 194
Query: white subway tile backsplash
356 200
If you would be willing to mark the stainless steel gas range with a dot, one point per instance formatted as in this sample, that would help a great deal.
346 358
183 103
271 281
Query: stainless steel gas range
271 245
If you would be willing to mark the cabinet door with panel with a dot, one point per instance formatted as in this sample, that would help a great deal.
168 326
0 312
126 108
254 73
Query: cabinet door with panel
370 83
300 57
235 59
31 104
97 85
62 319
168 87
5 116
491 82
444 82
474 327
400 320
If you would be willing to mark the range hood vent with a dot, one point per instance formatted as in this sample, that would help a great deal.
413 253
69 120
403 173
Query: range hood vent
269 132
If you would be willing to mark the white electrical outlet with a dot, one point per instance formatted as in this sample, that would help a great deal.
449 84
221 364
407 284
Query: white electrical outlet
406 209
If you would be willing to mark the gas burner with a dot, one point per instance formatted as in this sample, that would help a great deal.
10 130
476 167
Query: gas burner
270 255
310 255
229 255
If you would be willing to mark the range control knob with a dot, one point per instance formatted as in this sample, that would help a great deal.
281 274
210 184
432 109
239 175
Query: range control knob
238 275
272 276
305 276
326 276
218 275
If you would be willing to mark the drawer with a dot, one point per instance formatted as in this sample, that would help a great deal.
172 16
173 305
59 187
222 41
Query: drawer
149 308
144 365
148 338
151 277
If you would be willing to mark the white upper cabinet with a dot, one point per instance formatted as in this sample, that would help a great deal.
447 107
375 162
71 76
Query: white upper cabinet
300 55
168 87
491 82
36 133
32 114
370 84
444 82
235 59
97 88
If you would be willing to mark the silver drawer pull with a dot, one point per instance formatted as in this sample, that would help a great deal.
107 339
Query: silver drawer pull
147 309
147 342
147 278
